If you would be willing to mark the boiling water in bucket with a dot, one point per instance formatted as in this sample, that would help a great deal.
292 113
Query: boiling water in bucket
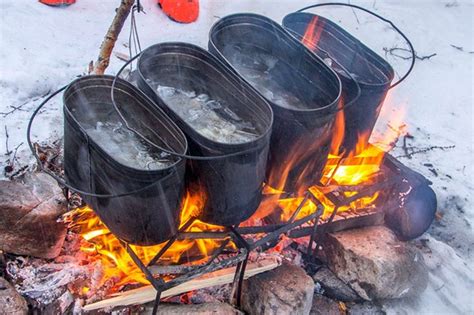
221 115
134 187
303 91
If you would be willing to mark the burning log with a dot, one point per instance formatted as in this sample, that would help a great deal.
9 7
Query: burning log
375 264
148 293
341 223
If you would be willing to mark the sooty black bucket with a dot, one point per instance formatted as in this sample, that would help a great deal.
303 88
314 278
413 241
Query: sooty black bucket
135 189
371 72
302 90
227 123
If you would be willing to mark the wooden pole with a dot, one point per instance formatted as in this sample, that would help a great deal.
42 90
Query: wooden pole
108 44
148 293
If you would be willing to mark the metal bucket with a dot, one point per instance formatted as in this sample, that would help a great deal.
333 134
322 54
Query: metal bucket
232 174
303 91
371 72
138 205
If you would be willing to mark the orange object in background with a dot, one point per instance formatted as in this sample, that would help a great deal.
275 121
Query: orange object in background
57 3
183 11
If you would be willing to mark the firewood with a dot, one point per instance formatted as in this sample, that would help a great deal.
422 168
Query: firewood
108 44
148 293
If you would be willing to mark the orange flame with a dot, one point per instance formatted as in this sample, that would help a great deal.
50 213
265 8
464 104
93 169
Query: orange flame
312 34
100 244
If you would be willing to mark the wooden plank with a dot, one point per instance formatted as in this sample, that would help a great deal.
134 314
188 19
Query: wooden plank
148 293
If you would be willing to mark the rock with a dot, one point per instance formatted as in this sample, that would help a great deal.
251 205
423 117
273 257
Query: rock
11 302
324 306
192 309
375 263
29 211
334 287
60 305
3 264
284 290
366 308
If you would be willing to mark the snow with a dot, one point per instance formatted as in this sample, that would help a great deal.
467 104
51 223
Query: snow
44 48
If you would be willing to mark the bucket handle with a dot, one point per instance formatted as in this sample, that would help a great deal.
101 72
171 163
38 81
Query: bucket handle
184 156
61 181
412 49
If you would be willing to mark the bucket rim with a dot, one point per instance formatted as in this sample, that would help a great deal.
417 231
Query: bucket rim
235 80
221 24
109 79
388 72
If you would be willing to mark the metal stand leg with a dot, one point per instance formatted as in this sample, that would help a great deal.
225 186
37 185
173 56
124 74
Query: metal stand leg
312 238
314 233
240 274
66 194
240 268
157 303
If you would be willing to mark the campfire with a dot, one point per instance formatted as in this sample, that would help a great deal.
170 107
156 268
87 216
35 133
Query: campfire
346 174
204 168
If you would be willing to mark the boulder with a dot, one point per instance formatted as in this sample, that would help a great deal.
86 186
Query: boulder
60 305
375 264
324 306
11 302
29 212
366 308
216 308
284 290
334 287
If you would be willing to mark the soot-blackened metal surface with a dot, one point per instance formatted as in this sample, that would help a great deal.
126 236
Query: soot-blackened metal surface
149 216
369 70
417 204
301 137
233 184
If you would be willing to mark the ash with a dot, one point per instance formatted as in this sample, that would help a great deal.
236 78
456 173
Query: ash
257 68
211 118
126 147
60 282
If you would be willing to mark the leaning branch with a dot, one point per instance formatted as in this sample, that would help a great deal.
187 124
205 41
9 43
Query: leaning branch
108 44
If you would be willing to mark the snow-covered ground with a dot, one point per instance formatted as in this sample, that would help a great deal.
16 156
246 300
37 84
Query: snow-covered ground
43 48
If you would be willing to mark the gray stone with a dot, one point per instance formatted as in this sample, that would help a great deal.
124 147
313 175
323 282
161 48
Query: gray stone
192 309
366 308
29 212
284 290
375 263
60 305
11 302
334 287
324 306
